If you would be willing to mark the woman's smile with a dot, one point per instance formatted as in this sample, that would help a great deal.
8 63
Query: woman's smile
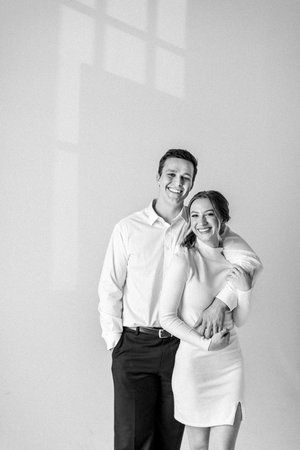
204 222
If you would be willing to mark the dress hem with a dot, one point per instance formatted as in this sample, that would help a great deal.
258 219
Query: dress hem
229 421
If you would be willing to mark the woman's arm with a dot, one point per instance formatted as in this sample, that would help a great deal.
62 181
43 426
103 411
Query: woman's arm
241 312
171 294
241 281
237 251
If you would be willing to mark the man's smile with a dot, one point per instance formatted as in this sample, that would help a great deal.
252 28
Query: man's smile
175 190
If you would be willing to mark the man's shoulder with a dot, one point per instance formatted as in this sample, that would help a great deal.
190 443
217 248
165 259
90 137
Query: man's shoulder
140 216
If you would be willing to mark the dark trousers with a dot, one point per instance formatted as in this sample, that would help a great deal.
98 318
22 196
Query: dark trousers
144 408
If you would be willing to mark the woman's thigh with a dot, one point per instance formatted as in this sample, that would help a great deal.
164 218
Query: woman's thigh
224 437
198 437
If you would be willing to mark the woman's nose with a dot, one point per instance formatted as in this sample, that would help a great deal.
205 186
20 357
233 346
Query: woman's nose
203 220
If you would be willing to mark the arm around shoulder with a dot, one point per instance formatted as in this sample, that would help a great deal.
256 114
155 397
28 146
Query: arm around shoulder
237 251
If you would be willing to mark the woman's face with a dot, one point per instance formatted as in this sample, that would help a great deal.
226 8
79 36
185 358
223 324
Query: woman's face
204 222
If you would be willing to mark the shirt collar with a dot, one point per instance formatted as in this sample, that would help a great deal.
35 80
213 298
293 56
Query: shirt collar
153 216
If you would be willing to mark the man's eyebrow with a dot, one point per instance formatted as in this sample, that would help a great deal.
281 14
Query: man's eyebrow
175 170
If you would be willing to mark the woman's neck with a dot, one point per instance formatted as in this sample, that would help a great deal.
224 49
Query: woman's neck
213 244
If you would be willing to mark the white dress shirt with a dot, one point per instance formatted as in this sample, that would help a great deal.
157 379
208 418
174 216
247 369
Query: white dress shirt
140 249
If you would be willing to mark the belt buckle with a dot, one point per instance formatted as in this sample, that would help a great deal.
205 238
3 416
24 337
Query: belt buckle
161 334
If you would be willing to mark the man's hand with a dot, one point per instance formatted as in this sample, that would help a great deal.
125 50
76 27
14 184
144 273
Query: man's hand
212 319
219 340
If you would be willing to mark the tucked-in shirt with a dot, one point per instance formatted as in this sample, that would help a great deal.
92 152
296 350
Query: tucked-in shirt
139 251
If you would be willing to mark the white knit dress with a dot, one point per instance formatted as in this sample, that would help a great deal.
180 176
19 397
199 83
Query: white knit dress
207 385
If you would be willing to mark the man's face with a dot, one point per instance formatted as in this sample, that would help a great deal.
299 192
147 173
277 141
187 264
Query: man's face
176 180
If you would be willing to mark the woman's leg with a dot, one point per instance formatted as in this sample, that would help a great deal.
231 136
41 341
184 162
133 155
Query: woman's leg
198 437
223 437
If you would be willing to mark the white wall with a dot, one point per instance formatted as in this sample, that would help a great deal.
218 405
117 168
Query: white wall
94 92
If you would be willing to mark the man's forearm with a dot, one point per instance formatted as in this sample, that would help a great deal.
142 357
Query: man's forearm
219 305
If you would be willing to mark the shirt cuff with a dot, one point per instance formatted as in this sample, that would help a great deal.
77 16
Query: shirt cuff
228 296
112 340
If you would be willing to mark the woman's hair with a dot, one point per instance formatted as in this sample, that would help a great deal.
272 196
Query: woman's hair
220 206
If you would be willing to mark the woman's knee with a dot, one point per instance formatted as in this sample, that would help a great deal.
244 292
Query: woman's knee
224 437
198 438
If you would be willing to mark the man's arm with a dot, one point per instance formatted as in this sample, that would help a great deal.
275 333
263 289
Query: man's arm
112 280
238 252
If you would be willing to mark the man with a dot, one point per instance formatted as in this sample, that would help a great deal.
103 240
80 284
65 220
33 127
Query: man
139 251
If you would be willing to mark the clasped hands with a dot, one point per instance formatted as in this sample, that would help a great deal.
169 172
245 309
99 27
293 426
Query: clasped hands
211 324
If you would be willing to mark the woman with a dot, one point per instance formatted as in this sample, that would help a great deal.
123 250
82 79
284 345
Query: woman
208 374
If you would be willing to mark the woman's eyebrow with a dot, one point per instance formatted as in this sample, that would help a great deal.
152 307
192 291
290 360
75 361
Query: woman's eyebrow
207 210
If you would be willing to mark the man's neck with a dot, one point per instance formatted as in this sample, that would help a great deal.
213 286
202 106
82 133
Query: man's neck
166 211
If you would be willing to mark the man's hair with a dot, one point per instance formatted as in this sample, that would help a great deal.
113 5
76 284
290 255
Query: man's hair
178 153
220 206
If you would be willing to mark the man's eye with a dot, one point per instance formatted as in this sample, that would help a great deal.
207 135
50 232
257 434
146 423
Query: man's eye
194 215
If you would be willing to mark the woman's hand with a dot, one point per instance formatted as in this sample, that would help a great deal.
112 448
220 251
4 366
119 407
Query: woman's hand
219 340
239 279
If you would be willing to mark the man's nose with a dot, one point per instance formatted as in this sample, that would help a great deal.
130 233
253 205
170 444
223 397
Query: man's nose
179 180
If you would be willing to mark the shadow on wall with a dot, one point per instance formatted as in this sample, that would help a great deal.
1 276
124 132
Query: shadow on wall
95 91
107 50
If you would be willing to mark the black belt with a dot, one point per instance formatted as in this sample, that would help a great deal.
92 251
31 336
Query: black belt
158 332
